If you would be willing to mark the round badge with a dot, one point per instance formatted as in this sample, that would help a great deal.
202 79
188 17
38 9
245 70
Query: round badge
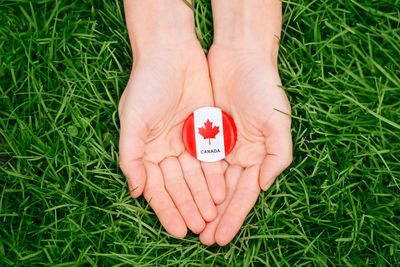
209 134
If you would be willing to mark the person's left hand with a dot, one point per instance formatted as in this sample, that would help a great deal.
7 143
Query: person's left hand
246 85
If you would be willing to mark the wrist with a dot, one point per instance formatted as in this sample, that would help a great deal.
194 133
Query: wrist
248 25
159 25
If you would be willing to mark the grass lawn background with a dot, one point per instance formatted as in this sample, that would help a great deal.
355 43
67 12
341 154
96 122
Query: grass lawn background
64 201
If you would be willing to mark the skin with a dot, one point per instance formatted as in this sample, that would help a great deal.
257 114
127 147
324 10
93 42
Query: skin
171 70
246 84
169 80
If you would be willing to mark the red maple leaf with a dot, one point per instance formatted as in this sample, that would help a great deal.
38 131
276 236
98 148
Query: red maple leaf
209 131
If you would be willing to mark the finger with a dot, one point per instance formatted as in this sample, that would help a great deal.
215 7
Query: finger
279 156
215 180
162 204
207 237
180 194
131 150
225 166
244 198
197 184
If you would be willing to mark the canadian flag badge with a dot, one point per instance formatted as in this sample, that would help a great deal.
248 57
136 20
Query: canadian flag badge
209 134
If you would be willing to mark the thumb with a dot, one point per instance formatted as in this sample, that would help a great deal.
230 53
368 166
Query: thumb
279 156
131 151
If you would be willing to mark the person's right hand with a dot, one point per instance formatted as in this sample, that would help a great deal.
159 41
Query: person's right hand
169 80
163 89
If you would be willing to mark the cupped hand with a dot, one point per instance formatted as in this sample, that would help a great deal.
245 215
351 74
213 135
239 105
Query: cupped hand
164 88
247 86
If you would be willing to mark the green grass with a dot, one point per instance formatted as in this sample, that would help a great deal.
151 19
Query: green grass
64 201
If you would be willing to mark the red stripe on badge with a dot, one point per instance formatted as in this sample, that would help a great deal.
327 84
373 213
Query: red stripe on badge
229 133
188 136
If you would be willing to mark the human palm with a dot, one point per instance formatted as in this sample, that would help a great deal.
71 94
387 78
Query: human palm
179 189
246 84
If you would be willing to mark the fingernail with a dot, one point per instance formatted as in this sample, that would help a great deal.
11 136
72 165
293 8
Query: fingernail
268 185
